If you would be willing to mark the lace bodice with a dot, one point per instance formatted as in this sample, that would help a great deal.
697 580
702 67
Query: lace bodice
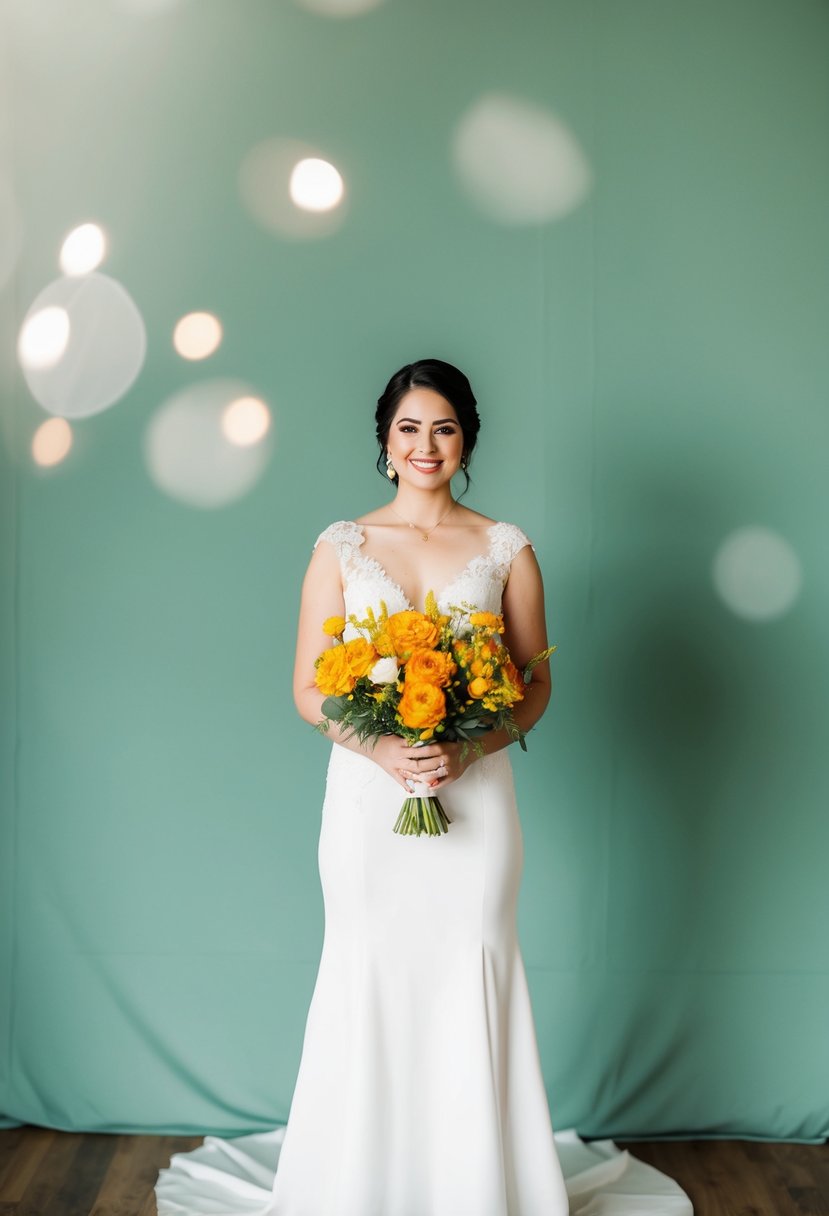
365 582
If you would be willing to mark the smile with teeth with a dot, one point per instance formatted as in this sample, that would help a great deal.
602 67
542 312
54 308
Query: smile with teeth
426 465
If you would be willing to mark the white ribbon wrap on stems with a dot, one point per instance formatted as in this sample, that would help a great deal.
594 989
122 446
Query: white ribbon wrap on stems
420 789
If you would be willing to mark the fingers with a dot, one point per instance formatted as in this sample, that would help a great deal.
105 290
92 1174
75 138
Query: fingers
439 768
432 776
426 752
429 763
430 760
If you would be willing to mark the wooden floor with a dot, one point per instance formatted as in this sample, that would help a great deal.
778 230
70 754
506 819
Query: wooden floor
52 1173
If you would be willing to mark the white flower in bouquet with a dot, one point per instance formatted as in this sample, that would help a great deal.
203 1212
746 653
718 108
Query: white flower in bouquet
384 671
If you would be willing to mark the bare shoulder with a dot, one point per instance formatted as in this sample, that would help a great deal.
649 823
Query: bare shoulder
378 516
474 519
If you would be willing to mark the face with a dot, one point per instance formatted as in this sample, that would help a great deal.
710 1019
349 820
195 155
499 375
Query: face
425 429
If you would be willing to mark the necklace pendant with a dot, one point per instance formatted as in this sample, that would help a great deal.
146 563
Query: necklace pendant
425 535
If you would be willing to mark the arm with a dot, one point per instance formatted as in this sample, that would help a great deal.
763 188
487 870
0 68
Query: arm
322 596
525 634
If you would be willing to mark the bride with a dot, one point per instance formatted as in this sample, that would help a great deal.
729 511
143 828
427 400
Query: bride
419 1090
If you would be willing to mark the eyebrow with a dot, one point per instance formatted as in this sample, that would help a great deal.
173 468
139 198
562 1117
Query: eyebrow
437 421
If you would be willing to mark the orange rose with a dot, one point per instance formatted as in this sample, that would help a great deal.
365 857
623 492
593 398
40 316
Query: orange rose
431 667
479 687
514 679
410 631
421 705
361 656
334 676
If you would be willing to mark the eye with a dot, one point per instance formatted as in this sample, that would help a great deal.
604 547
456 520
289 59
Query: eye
450 430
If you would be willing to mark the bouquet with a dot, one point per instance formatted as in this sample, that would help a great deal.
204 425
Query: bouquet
421 676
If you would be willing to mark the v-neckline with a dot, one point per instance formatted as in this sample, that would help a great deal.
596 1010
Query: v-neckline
383 572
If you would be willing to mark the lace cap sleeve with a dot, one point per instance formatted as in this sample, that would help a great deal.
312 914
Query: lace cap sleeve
340 535
510 539
345 537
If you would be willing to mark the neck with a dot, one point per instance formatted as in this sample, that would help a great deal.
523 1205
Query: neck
423 507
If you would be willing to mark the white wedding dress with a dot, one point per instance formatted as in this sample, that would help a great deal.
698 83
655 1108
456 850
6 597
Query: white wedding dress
419 1091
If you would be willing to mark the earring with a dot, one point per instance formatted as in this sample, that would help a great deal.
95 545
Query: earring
390 469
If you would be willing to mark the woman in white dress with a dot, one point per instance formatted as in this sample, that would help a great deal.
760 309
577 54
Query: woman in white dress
419 1091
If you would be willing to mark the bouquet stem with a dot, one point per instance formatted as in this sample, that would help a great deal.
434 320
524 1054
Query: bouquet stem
419 815
421 812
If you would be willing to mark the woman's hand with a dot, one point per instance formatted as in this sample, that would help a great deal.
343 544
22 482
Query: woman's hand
436 763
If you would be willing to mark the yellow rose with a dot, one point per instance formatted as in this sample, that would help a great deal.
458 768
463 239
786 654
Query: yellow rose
422 705
410 631
333 626
488 620
431 667
333 674
384 645
361 656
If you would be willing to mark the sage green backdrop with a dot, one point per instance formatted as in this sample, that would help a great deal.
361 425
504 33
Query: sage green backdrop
652 373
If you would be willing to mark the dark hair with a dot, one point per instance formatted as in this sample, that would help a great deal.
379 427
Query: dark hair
445 379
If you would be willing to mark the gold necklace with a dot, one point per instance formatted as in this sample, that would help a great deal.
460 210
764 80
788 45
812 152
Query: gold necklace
417 527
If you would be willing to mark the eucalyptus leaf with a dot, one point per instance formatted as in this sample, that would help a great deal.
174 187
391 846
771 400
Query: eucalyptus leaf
332 707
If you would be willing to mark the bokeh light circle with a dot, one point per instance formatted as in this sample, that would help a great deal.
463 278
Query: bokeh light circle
757 574
246 420
51 442
83 249
104 353
197 335
264 184
517 162
43 338
315 184
195 456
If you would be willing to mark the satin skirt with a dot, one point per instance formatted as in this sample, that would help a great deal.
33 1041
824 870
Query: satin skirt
419 1090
